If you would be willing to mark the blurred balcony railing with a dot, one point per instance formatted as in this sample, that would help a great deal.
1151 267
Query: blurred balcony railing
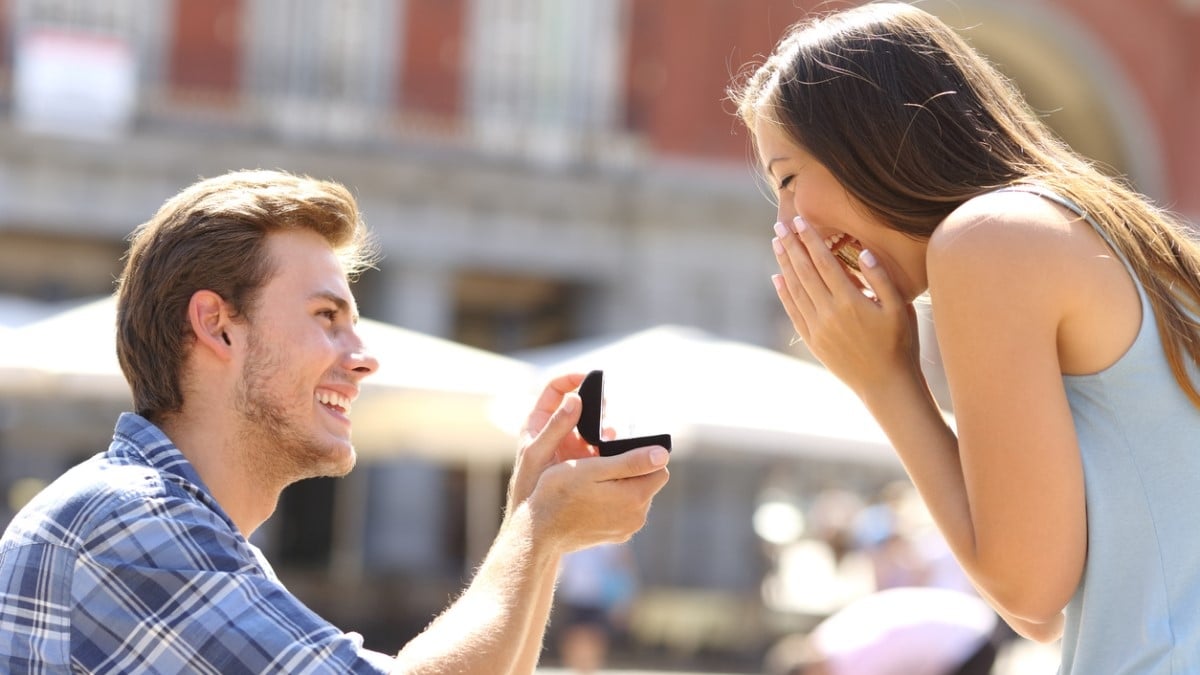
546 76
538 80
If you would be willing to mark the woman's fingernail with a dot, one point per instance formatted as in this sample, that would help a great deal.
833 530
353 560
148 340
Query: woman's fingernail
659 456
800 224
777 281
867 259
781 229
777 245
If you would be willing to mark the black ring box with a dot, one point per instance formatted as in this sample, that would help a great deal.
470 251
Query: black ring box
591 391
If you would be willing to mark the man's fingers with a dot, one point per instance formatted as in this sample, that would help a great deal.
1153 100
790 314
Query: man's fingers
540 449
561 421
550 401
636 462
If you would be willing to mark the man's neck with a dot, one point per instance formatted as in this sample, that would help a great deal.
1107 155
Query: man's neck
217 455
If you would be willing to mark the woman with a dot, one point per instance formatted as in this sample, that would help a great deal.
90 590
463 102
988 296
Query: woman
1065 310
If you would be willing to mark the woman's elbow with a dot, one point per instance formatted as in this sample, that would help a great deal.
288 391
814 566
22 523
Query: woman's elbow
1035 614
1034 611
1050 631
1037 609
1037 596
1046 632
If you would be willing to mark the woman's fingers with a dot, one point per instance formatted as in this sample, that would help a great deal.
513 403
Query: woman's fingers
795 271
789 306
825 264
885 291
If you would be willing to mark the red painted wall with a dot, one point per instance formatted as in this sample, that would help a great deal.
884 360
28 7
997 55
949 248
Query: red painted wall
433 62
683 54
5 43
1155 42
206 49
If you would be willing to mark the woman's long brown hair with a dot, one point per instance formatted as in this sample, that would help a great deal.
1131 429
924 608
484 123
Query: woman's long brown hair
913 122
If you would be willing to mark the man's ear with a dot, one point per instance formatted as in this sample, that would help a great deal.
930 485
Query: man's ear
210 319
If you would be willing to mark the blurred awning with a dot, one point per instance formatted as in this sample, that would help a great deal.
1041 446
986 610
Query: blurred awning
431 397
717 395
437 397
68 354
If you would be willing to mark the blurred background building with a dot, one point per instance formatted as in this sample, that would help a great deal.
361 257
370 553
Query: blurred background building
538 172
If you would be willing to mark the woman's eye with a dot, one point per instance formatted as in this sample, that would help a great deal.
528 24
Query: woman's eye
330 314
783 184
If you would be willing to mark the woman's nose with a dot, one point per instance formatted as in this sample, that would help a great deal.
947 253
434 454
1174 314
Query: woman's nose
785 212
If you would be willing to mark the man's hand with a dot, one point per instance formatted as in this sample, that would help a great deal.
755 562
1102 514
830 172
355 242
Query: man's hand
581 499
548 436
563 497
583 502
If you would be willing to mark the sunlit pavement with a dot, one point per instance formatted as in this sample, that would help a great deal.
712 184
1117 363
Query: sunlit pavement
562 671
1018 658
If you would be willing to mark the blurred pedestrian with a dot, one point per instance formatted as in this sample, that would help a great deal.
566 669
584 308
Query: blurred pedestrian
596 589
236 331
899 631
1066 312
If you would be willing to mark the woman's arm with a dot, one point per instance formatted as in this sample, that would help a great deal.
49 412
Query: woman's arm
1007 492
1001 286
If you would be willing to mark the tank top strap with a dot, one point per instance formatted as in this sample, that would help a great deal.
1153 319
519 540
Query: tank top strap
1042 191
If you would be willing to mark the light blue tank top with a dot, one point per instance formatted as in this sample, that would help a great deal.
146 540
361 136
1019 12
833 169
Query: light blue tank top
1137 608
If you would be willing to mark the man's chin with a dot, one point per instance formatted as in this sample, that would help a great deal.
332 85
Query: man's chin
341 461
332 458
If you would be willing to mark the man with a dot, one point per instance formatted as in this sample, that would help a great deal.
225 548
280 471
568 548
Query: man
236 332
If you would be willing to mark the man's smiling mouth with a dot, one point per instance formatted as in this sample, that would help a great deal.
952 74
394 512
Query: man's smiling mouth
334 401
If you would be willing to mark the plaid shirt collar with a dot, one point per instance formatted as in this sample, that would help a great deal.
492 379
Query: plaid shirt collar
137 440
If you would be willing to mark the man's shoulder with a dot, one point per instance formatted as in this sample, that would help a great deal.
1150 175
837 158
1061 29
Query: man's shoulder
106 500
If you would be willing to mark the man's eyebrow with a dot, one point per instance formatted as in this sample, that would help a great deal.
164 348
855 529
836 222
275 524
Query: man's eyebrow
341 303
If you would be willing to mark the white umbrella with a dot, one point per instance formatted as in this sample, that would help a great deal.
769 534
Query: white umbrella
70 354
435 396
17 310
431 396
714 395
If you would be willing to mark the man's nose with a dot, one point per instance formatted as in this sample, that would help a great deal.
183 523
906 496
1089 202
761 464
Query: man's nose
360 360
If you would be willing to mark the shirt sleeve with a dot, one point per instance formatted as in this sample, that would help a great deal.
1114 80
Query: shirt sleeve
166 586
35 609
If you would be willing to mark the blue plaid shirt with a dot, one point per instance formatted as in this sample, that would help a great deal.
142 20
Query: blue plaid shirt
126 564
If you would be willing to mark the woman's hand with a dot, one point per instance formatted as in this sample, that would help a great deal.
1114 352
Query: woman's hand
862 335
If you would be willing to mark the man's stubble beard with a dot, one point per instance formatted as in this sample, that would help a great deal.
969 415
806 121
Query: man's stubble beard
276 445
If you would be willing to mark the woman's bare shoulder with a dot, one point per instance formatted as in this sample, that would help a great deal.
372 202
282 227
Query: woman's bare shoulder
1005 222
1023 251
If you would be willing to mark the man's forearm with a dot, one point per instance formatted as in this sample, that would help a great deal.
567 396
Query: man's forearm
494 627
535 634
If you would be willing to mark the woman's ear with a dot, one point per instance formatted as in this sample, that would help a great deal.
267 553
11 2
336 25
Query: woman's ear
208 314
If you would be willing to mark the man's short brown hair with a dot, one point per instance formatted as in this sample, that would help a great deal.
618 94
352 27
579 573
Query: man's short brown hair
212 236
